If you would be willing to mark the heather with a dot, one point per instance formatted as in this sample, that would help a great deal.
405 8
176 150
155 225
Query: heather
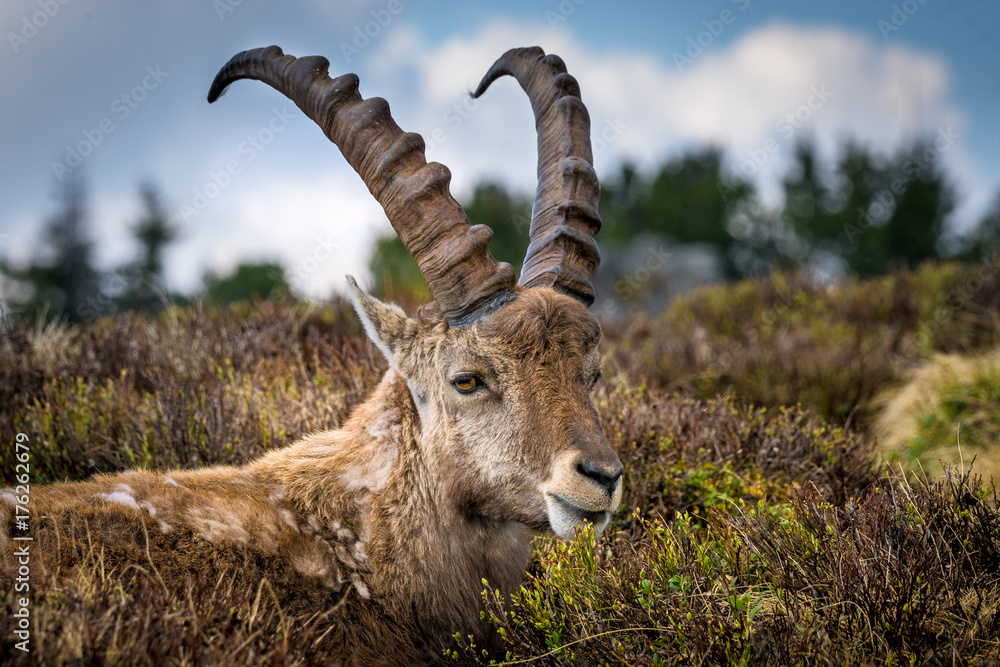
763 520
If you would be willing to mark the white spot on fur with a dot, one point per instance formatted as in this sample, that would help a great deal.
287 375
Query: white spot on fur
382 454
121 495
310 563
288 518
364 533
219 526
386 430
266 538
344 557
9 496
168 480
164 526
345 534
359 551
360 586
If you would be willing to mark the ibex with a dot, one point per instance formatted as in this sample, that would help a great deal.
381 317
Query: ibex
480 435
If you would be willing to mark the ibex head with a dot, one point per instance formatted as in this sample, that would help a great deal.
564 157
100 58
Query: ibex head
499 372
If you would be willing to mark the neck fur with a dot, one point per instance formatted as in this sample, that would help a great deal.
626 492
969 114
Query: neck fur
377 478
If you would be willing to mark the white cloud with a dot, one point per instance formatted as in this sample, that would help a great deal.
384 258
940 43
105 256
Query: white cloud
735 96
319 228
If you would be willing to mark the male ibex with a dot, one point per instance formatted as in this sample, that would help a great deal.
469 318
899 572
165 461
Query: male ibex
480 435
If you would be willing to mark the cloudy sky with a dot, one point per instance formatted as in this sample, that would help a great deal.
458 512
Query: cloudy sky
116 90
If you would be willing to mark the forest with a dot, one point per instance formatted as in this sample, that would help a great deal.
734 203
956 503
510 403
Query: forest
858 213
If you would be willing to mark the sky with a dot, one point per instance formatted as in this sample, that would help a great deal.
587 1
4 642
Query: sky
115 91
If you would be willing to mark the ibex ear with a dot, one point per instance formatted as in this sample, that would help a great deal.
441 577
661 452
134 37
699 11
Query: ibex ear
385 323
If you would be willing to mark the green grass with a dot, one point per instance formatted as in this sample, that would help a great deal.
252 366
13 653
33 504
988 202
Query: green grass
948 410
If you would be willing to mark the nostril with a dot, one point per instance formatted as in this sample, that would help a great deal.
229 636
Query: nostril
600 475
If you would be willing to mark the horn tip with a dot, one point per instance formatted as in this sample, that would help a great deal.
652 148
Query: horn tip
217 89
504 63
236 69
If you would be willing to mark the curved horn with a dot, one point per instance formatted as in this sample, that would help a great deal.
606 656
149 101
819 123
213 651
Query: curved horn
564 219
453 256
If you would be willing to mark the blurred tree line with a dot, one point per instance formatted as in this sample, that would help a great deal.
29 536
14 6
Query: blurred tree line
863 214
860 213
62 281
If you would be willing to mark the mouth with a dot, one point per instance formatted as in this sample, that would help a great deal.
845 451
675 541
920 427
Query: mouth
565 516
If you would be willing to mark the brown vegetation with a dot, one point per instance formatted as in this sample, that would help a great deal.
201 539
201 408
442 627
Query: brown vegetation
746 534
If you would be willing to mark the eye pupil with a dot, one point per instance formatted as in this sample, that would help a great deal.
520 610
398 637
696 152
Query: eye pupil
466 384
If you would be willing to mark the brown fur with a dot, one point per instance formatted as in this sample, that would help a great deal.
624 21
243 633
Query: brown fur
391 522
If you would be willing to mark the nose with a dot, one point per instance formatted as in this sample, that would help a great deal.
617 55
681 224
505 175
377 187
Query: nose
605 476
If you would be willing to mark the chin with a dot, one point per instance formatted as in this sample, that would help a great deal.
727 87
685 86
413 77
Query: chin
565 517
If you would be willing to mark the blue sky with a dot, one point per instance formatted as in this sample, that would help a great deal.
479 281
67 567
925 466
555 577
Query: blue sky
879 71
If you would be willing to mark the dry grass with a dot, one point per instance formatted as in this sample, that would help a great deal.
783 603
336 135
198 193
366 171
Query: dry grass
949 410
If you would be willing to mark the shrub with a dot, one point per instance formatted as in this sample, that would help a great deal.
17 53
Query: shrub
782 340
899 575
752 529
190 387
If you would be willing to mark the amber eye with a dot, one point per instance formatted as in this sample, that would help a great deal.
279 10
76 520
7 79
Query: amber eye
466 384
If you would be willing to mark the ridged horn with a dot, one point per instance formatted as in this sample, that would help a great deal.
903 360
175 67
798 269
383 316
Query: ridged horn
562 252
465 280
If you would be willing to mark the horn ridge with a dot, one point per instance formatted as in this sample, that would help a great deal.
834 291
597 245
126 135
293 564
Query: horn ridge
562 252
